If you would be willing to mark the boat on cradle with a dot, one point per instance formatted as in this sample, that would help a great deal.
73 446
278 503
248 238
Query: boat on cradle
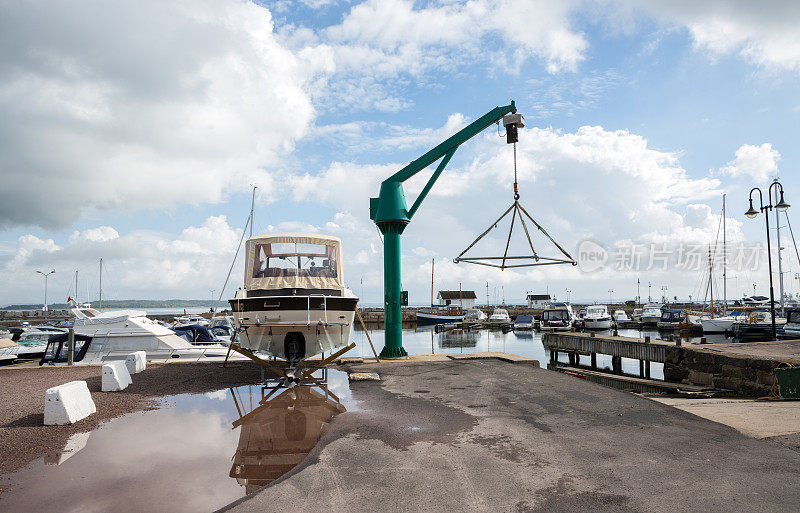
792 327
757 327
440 315
499 317
7 354
294 304
474 315
597 318
671 320
620 316
651 314
557 317
113 334
523 322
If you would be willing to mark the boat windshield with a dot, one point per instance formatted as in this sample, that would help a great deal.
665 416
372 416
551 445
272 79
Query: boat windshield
555 315
595 310
278 259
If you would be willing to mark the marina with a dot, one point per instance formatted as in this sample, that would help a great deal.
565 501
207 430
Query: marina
442 256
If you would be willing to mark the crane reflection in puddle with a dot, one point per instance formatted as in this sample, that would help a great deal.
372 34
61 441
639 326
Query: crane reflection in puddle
277 435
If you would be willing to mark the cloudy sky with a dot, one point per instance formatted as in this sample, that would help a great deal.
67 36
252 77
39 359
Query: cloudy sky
134 131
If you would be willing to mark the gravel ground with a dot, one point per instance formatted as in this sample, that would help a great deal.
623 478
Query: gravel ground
23 435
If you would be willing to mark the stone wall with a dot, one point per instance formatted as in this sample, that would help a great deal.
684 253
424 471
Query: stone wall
751 377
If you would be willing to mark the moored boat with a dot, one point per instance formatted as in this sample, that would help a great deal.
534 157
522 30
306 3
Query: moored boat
597 318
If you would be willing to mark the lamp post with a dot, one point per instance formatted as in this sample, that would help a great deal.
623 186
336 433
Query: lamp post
45 285
568 291
610 296
752 213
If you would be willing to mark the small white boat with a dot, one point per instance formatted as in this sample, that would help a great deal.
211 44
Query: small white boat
597 318
190 320
474 315
636 316
722 324
651 314
499 316
621 316
792 327
757 327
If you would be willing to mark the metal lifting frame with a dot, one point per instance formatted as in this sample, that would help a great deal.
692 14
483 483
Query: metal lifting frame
517 211
390 213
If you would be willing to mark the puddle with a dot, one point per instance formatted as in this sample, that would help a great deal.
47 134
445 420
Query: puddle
196 453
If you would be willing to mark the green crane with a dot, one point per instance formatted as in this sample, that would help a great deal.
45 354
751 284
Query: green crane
390 212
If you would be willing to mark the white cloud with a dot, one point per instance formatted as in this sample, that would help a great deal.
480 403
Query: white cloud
764 33
141 104
757 162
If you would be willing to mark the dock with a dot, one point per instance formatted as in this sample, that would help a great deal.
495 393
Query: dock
744 369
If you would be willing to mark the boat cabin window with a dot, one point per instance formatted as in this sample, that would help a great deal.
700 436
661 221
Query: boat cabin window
279 259
596 310
794 317
88 313
555 315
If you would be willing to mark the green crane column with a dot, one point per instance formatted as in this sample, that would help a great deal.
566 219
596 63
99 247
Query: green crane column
393 312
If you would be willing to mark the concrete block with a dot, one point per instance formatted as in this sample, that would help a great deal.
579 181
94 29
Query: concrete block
115 376
67 403
136 362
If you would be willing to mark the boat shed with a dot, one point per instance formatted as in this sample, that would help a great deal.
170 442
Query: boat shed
538 300
462 298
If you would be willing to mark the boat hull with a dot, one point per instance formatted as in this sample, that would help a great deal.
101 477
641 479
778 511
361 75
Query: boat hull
597 324
432 318
717 325
296 326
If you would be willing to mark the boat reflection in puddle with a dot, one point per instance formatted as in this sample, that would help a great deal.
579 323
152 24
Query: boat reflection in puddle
178 457
277 435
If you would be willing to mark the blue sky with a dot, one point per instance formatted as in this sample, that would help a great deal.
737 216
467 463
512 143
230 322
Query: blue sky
129 140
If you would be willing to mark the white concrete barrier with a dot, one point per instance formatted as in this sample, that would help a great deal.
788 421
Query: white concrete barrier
67 403
136 362
115 376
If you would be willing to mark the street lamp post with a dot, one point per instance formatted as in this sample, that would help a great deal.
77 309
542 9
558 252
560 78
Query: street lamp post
568 291
752 213
45 285
610 296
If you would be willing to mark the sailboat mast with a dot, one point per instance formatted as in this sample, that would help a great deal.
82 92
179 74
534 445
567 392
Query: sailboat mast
101 285
433 261
76 286
724 261
252 209
711 281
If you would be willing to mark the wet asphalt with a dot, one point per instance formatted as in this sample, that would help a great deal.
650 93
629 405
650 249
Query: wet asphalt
487 435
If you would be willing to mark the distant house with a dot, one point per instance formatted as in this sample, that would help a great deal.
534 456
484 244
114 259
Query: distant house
463 298
538 300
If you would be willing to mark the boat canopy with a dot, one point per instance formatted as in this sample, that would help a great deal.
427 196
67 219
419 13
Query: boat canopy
293 261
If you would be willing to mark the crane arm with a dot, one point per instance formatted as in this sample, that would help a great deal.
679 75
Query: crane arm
390 205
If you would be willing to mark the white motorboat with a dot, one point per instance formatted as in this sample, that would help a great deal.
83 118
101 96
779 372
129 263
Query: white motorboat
757 327
474 315
651 314
621 316
499 316
294 304
636 315
557 317
597 318
191 320
792 327
112 335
